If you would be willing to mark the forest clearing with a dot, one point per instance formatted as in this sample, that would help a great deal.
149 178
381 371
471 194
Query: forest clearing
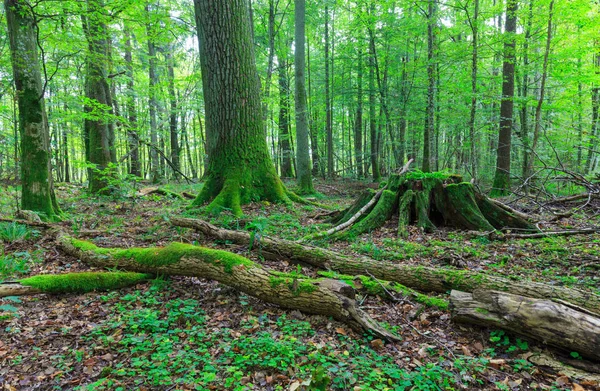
275 195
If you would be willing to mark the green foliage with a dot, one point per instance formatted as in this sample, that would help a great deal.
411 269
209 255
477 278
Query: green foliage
118 184
18 263
13 231
501 340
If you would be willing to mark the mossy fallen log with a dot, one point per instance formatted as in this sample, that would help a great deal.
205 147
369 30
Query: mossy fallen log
547 321
429 201
425 279
315 296
72 283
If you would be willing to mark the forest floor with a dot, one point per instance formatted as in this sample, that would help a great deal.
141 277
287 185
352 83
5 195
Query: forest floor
185 333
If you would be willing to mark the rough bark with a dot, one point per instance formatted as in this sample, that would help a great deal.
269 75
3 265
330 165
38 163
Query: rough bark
422 278
36 173
303 166
132 141
98 126
552 323
328 113
502 177
284 120
321 296
240 168
174 136
429 130
358 122
155 171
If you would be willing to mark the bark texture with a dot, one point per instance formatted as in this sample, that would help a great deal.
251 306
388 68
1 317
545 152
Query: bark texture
36 173
552 323
426 279
240 168
321 296
98 126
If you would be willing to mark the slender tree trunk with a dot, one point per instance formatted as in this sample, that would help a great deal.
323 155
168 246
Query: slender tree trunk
524 94
98 132
36 173
428 133
132 138
538 110
328 119
372 121
155 172
502 177
174 137
595 115
284 121
186 142
472 134
358 124
313 133
303 168
241 169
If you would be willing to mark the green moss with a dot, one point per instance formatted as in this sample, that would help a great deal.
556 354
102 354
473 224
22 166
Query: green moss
83 282
482 311
295 285
163 256
376 218
378 288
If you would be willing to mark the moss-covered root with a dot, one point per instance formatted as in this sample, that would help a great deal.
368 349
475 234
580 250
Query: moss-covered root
376 218
501 218
404 206
345 214
319 296
385 288
459 208
72 283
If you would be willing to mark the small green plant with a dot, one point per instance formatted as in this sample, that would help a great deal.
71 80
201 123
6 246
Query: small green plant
502 340
19 263
12 232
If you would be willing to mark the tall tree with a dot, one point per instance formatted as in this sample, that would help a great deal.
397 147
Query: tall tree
240 168
358 122
36 174
132 137
98 127
502 177
328 113
428 156
155 171
303 168
474 23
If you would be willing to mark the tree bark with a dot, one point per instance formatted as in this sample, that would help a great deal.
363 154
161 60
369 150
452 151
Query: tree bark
553 323
474 59
322 297
502 177
155 171
132 140
99 132
284 120
303 167
328 119
422 278
174 136
36 173
428 133
358 122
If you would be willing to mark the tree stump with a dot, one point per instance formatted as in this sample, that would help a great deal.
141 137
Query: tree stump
430 201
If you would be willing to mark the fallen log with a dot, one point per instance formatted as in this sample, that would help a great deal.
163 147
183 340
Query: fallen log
71 283
315 296
544 320
426 279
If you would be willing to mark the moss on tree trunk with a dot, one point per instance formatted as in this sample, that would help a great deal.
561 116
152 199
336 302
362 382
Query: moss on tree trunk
431 200
36 173
240 168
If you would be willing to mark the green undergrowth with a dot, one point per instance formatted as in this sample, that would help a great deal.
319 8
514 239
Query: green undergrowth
13 265
159 341
83 282
12 232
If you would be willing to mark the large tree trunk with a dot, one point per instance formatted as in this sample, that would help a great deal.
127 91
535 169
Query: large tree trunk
303 167
36 173
422 278
502 176
99 132
553 323
240 168
323 296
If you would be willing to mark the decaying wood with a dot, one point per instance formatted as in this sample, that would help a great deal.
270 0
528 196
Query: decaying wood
16 289
507 208
360 213
571 232
329 298
577 374
544 320
426 279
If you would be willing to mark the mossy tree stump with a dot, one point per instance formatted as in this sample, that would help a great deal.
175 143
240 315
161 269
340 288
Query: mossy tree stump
430 200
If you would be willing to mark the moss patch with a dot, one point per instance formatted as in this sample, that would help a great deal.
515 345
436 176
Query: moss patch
84 282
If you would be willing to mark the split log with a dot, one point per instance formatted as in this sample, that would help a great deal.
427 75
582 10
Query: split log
426 279
552 323
321 296
16 289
